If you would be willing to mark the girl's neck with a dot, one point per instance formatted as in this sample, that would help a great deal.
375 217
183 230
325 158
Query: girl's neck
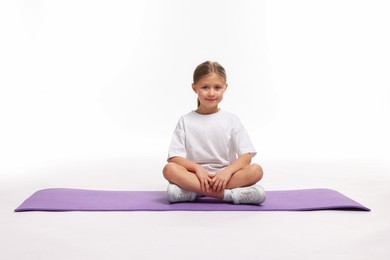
206 111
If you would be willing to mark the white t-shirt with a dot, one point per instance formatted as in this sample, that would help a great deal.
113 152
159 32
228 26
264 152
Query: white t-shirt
213 141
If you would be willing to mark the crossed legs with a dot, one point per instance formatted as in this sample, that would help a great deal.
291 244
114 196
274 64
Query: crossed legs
180 176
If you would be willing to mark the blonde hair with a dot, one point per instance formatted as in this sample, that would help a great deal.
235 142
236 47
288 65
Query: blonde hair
206 68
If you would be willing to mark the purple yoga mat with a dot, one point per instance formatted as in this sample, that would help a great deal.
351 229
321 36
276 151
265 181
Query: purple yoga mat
99 200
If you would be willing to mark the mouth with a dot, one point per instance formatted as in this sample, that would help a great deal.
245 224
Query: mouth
211 100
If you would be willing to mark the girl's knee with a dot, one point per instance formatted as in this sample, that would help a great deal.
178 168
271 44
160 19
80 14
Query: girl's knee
256 171
169 171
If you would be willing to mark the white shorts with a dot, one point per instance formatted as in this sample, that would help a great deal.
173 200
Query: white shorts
213 168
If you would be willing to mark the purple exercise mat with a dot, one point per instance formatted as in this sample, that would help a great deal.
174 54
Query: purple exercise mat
99 200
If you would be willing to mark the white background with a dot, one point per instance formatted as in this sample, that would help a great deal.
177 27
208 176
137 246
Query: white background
97 79
90 92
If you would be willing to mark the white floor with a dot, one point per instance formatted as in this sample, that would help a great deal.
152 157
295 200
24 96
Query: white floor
197 235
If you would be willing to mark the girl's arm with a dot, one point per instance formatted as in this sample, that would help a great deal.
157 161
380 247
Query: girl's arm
189 165
241 162
199 171
220 180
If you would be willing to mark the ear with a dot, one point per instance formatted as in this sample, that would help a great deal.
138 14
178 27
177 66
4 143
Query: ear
194 88
226 87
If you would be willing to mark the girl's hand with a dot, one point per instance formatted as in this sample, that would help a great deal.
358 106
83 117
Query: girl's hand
220 180
204 179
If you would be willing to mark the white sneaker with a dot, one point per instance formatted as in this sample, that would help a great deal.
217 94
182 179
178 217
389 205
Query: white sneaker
248 195
177 194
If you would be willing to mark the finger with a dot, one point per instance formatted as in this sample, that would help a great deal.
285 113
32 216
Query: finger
201 184
222 186
216 184
218 187
205 185
210 184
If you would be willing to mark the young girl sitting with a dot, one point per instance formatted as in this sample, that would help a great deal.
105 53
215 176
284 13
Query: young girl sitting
210 152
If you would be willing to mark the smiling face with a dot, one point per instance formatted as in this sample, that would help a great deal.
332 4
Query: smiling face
210 90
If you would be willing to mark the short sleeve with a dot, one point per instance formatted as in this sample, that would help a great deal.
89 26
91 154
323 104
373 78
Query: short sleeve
177 146
241 141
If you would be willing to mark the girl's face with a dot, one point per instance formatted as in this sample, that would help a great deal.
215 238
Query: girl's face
210 91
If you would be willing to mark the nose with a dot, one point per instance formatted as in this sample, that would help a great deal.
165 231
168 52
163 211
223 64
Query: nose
211 93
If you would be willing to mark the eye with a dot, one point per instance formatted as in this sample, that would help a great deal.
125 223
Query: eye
218 87
205 87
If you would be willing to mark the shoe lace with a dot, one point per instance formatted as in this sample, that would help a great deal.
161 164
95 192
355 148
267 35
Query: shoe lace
247 195
185 195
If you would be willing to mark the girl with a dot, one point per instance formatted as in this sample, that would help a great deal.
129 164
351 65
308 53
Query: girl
210 152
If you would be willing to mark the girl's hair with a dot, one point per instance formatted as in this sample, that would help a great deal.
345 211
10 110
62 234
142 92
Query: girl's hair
206 68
